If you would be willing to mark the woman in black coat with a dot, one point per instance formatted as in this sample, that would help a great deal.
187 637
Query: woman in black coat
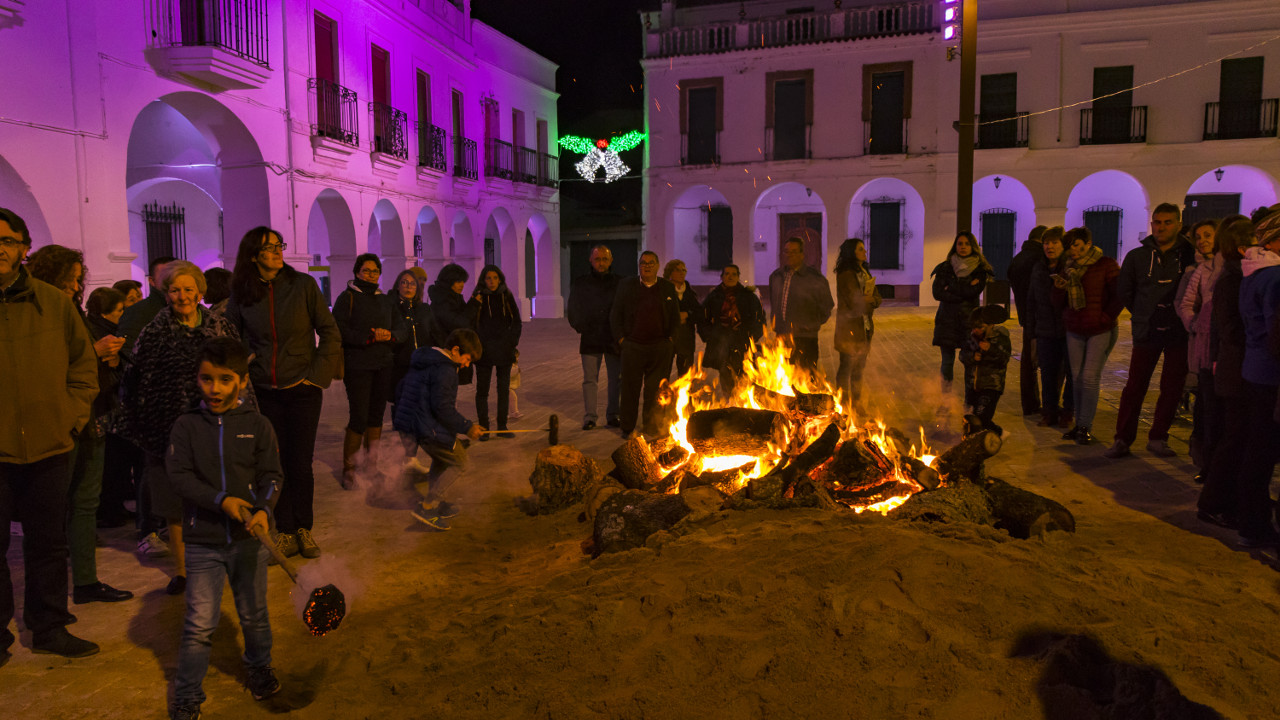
495 316
958 283
690 314
730 320
449 309
413 323
365 318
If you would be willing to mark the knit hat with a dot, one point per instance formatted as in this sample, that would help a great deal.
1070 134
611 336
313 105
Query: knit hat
1268 228
988 315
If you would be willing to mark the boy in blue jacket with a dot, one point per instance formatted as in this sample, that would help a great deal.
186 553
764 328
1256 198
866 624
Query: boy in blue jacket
222 461
426 416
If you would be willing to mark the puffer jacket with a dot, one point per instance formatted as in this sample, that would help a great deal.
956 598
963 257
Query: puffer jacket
50 369
280 331
1102 300
590 300
358 311
211 457
957 298
854 327
1043 316
415 328
1259 303
808 307
495 316
1195 309
427 403
985 369
1148 287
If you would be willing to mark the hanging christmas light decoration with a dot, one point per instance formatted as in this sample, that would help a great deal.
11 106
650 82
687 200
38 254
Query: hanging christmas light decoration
602 153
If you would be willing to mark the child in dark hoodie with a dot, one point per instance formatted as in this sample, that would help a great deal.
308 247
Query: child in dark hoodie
426 416
986 357
223 462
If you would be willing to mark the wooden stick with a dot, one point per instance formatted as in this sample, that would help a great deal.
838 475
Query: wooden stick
265 539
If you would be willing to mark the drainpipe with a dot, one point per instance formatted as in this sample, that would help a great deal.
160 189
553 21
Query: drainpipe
288 125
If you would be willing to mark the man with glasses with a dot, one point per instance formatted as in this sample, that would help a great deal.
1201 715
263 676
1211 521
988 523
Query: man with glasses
590 302
645 314
51 374
800 302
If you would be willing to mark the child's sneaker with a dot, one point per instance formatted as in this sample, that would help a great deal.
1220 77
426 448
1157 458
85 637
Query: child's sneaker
263 683
153 547
184 712
446 509
428 514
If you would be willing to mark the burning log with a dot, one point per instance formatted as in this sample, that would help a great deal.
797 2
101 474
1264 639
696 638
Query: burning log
673 456
560 475
1025 514
925 476
735 431
627 518
964 460
634 464
858 463
874 493
813 404
722 480
773 486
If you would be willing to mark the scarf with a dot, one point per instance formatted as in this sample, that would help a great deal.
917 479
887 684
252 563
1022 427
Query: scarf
1075 273
964 266
364 286
1257 258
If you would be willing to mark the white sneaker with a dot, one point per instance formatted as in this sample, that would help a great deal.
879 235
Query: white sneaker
415 465
152 546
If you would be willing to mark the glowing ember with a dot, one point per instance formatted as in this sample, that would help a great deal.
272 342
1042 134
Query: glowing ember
810 405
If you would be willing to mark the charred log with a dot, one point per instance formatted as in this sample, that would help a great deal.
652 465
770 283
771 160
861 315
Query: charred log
627 518
812 404
858 463
634 464
965 459
914 468
722 480
782 479
673 456
1025 514
965 502
735 431
560 475
874 493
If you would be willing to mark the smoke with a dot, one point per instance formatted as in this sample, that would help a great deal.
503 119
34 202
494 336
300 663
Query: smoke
327 570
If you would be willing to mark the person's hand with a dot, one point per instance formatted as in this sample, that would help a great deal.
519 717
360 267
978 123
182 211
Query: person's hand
977 357
973 281
684 317
108 347
233 505
475 431
1059 281
984 345
381 335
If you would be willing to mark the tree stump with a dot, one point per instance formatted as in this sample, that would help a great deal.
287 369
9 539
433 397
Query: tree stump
560 475
634 464
960 503
964 460
1024 514
735 431
627 518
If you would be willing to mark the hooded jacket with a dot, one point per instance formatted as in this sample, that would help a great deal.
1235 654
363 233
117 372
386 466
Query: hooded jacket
280 331
985 369
957 297
495 316
1195 309
590 300
211 457
809 305
1259 303
427 404
1148 287
50 368
358 311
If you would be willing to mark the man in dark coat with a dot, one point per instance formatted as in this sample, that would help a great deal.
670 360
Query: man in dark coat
1019 277
644 316
1148 286
800 302
137 315
590 302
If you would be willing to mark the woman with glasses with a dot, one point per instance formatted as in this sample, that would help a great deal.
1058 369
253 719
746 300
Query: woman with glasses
365 318
414 317
280 312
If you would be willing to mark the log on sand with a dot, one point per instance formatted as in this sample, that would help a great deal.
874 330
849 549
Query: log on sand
634 464
965 459
1024 514
560 476
735 431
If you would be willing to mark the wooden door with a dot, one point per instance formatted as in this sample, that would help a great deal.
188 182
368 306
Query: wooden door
808 227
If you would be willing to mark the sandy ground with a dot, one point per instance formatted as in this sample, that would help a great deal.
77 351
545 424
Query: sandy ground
763 614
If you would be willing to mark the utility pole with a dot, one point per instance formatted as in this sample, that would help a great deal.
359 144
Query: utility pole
968 72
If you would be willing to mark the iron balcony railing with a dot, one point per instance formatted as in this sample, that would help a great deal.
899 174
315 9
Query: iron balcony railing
526 165
879 145
898 18
335 111
498 161
1113 125
1003 132
700 149
548 170
464 158
236 26
431 147
390 130
788 146
1241 119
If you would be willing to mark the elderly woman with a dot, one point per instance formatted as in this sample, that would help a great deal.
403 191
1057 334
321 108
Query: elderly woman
63 268
958 283
364 316
1194 306
160 385
413 315
856 299
690 313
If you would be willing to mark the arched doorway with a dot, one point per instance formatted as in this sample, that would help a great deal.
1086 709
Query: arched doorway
331 239
386 239
783 211
16 195
544 249
462 245
702 237
1114 206
429 242
888 214
1003 215
500 243
1228 190
185 148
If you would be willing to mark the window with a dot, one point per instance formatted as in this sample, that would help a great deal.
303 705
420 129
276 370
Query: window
701 120
490 251
882 228
166 230
996 230
1112 111
886 107
789 114
718 221
1104 223
998 101
424 100
326 33
1240 99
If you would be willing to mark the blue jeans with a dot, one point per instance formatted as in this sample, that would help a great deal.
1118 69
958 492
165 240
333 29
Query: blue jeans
1088 356
244 563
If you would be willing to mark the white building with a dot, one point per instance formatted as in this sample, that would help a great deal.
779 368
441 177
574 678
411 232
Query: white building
835 119
135 128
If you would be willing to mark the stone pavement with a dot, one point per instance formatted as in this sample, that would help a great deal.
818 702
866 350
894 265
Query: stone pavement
139 637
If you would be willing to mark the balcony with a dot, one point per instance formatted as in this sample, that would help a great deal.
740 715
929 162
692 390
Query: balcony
897 18
1003 132
790 144
548 170
1237 120
431 147
464 158
526 165
219 42
700 148
390 131
498 159
883 137
1113 125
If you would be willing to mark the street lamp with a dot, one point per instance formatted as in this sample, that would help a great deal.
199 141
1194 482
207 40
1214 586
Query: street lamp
1219 173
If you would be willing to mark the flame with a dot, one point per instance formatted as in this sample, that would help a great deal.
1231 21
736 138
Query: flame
768 381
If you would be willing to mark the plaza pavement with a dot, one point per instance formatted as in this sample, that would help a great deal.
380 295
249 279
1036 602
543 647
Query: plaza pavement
139 637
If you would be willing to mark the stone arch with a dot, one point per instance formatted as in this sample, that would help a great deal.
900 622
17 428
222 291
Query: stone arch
430 241
203 241
1253 187
331 240
386 238
899 263
692 224
499 230
1107 197
793 199
462 244
546 249
995 197
16 195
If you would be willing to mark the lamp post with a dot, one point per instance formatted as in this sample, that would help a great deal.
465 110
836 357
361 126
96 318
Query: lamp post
965 125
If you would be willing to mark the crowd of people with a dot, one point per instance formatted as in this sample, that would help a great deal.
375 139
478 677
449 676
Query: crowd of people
125 398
